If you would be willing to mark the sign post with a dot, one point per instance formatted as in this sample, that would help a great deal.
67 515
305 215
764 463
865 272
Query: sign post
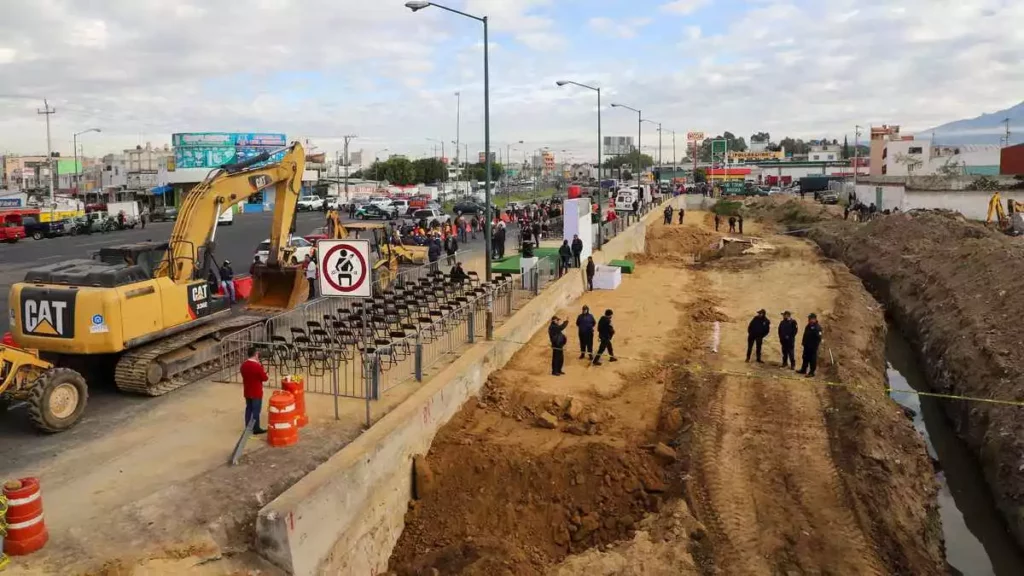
344 269
694 138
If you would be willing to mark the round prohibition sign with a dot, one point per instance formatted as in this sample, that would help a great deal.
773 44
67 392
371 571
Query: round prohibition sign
362 263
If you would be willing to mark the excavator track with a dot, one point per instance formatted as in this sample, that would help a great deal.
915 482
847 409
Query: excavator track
197 354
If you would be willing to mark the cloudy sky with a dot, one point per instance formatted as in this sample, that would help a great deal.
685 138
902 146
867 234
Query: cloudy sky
319 69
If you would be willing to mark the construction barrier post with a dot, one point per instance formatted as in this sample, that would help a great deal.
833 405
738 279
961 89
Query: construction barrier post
419 358
25 529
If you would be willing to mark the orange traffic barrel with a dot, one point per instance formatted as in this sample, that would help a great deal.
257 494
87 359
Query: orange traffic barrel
281 428
294 384
26 531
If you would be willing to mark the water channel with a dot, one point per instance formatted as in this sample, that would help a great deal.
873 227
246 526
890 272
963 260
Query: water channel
977 542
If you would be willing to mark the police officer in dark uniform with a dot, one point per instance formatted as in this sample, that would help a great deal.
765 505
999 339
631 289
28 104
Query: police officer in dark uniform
585 325
759 327
605 332
787 337
811 341
558 342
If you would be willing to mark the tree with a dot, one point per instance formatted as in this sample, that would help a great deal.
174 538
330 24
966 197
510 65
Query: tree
911 162
358 174
846 147
430 170
762 137
478 171
700 176
615 162
397 171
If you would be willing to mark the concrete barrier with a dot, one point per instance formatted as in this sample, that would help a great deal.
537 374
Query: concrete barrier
345 516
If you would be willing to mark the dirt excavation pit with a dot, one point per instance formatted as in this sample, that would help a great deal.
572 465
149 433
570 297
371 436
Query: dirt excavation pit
570 474
682 460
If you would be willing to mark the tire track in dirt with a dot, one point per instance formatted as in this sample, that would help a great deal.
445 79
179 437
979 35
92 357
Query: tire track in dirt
769 489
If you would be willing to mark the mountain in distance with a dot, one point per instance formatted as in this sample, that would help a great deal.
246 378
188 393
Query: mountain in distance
984 129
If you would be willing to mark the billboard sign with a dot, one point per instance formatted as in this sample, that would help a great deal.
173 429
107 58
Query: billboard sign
549 161
755 156
694 136
617 145
482 158
213 149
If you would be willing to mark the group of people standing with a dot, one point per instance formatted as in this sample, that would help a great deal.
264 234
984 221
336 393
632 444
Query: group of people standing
569 255
585 325
668 214
760 327
735 223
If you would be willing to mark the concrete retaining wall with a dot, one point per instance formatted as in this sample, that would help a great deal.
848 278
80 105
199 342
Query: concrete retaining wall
346 516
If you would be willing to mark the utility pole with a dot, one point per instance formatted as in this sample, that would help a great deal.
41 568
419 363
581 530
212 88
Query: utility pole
1006 121
348 138
47 111
856 151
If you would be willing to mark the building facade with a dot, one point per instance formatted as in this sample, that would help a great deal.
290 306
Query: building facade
880 135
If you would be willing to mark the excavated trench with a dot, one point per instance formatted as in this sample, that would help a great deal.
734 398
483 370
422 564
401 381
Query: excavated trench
977 543
953 288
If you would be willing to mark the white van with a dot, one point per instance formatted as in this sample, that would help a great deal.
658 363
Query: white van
624 199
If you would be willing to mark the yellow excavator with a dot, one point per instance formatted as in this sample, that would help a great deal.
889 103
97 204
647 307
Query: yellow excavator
386 256
1010 220
145 312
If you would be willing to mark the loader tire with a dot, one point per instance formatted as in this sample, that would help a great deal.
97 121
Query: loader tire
57 400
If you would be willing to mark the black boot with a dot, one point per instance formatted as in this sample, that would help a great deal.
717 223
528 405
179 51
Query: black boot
582 355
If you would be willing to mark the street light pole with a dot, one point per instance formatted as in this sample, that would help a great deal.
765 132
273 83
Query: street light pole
639 134
76 179
458 128
348 138
416 5
600 239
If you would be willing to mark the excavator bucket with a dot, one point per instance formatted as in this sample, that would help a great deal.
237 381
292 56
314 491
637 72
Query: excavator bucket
278 288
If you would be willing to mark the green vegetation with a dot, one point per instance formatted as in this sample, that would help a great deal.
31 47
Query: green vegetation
726 208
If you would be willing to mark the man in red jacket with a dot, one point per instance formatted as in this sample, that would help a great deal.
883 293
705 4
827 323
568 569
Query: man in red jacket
253 377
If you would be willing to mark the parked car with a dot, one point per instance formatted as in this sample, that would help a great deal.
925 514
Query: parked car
310 204
300 249
774 190
11 228
469 207
163 214
829 197
375 212
38 230
401 206
317 234
431 217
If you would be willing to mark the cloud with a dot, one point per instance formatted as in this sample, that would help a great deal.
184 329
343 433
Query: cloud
627 28
684 7
142 69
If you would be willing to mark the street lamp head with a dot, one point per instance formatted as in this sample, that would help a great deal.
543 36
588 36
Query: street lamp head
562 82
416 5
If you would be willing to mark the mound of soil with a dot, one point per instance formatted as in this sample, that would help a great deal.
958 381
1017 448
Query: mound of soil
790 212
675 244
954 287
507 511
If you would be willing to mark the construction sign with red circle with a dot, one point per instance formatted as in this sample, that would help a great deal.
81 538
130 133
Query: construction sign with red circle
344 268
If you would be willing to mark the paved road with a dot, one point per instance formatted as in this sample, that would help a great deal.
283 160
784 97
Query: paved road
20 444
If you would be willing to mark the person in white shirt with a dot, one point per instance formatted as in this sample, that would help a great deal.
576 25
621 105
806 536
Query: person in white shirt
310 265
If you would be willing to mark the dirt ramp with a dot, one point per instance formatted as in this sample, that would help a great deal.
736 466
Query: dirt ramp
955 290
676 244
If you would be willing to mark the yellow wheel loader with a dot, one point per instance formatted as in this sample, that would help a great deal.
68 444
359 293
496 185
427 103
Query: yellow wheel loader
56 397
145 313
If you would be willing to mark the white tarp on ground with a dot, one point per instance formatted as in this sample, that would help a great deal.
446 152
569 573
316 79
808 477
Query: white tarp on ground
576 218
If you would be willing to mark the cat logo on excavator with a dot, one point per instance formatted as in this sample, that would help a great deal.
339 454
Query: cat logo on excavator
48 313
259 182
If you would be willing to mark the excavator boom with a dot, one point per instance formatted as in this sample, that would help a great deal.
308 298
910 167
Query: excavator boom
276 285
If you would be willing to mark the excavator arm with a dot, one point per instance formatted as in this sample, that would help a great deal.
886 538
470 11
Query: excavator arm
224 187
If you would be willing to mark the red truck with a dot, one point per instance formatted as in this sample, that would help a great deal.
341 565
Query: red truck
11 228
